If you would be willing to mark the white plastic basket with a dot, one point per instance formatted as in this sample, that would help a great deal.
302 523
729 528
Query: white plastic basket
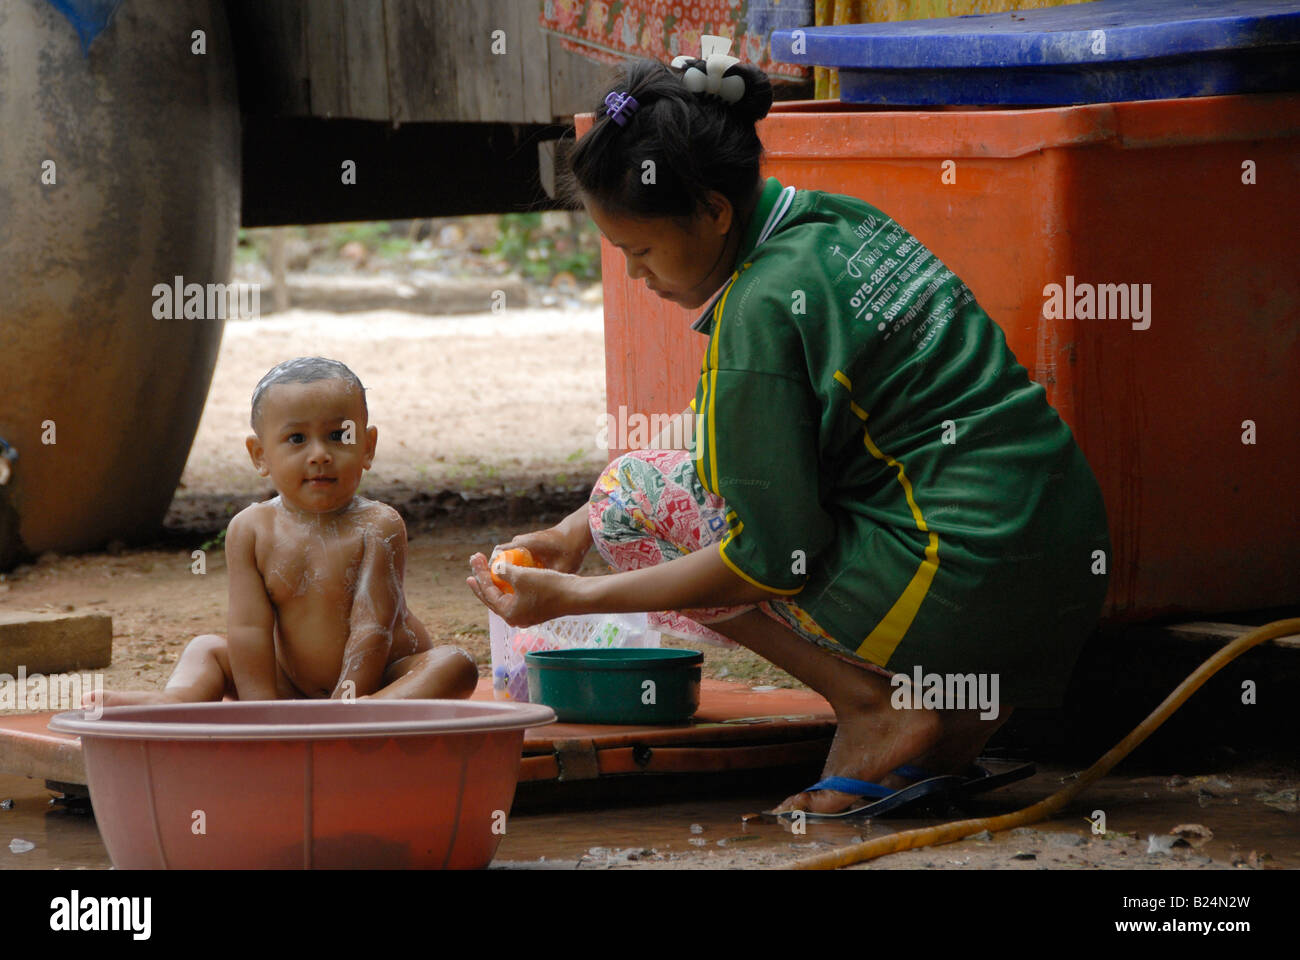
509 644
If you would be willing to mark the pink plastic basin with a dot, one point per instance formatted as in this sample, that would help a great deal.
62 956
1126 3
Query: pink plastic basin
300 784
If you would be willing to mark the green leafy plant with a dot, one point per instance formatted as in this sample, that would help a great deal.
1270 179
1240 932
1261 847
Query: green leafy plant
394 247
252 247
369 233
542 254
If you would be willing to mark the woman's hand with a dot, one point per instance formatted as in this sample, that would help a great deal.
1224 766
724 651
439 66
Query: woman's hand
539 594
698 579
562 547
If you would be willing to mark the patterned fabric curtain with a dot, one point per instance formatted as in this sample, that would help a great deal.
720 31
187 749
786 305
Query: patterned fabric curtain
612 30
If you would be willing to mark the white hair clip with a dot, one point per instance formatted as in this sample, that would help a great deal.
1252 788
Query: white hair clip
713 54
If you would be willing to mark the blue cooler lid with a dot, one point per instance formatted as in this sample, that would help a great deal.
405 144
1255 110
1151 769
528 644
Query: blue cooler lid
1098 52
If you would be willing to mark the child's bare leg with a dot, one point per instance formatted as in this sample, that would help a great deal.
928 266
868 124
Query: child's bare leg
442 673
202 673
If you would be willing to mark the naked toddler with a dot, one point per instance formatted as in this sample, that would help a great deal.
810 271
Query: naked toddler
317 607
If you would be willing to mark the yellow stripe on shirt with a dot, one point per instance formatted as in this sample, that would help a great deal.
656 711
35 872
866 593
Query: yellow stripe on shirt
722 552
707 465
881 643
713 375
704 440
709 476
857 411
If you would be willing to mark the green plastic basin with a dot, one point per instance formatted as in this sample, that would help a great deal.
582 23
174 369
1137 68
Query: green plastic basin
627 686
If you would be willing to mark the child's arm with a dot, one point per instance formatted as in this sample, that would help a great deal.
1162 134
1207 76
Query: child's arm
375 607
251 616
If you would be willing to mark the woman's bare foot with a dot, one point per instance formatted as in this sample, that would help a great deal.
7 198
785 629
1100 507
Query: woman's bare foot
872 740
873 737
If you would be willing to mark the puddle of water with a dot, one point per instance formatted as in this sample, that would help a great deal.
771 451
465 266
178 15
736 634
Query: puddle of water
1226 805
676 830
1133 805
63 840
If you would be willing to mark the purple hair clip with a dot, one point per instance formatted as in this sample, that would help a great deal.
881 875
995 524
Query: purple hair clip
620 106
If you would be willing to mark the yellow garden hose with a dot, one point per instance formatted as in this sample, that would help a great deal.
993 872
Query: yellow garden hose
959 829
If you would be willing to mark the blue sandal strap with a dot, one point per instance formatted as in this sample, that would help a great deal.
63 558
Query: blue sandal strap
859 788
865 788
913 773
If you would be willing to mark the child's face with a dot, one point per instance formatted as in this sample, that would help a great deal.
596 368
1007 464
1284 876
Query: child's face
674 260
301 443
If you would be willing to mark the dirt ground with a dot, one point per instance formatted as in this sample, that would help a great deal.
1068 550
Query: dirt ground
481 405
478 404
497 405
157 604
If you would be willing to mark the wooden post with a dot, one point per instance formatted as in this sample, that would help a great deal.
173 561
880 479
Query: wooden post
279 281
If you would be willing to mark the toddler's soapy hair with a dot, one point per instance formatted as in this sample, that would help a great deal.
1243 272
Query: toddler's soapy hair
303 370
675 147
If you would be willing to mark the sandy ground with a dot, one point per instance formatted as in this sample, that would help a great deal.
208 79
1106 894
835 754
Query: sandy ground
480 403
158 603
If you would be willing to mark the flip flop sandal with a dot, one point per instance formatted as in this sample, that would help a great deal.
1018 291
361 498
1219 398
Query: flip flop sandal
928 791
989 773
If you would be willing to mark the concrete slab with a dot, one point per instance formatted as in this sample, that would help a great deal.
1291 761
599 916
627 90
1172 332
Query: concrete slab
54 642
28 748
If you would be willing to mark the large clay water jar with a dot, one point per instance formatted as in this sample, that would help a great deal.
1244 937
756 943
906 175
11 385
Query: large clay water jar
143 135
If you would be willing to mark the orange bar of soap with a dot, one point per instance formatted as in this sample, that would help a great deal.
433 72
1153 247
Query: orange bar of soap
515 556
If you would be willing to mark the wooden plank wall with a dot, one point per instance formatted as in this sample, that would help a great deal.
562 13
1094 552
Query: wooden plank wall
407 61
576 81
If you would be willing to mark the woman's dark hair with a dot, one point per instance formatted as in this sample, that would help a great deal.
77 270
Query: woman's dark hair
695 143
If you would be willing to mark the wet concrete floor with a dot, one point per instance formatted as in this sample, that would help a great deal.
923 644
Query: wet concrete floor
1240 830
1246 819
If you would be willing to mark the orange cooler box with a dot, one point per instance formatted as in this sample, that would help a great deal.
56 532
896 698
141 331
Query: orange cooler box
1194 197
